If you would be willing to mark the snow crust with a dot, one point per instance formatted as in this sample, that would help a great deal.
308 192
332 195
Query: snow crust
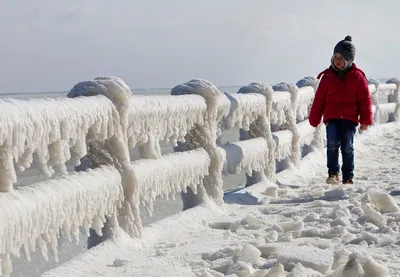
35 216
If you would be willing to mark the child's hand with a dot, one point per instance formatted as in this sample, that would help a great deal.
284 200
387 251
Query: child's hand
363 127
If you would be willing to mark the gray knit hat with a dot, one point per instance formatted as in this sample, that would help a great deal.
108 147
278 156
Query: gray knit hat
347 49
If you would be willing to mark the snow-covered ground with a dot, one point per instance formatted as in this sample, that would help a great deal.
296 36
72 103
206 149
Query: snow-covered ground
310 229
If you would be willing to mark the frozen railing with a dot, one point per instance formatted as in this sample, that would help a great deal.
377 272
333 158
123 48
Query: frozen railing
392 107
101 121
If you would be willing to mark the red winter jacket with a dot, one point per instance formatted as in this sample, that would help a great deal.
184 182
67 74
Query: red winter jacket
348 98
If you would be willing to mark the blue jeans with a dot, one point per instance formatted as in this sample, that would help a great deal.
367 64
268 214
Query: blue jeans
340 133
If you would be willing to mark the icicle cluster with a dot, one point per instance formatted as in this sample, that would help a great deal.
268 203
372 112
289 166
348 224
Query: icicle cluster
247 155
49 132
35 216
306 97
174 172
292 89
388 88
281 102
174 116
307 133
244 109
114 89
283 140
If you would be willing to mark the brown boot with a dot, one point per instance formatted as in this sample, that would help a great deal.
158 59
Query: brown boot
347 182
332 179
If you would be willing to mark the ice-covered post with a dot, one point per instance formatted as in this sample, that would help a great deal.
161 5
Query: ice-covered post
318 138
395 99
290 116
374 91
204 136
261 128
115 150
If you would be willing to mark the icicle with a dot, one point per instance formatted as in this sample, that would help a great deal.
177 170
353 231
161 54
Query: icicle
48 131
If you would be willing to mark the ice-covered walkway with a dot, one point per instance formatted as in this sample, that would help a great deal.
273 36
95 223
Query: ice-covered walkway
306 231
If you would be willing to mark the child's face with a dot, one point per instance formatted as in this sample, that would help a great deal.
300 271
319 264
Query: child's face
338 61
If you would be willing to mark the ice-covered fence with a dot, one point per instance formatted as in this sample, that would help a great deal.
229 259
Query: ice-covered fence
109 120
35 216
50 132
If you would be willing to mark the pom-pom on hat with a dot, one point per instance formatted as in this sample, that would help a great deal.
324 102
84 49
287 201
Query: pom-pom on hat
347 49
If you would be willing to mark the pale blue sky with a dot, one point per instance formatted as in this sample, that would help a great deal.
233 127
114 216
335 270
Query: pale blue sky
49 45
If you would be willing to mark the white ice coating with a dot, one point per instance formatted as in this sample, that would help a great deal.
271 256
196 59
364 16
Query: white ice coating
306 98
291 116
292 89
395 98
387 108
50 132
281 102
283 140
387 89
163 118
244 109
170 174
247 155
373 86
206 135
262 127
208 91
34 216
113 88
119 93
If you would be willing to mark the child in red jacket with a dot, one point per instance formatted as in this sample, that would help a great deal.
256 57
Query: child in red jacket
344 101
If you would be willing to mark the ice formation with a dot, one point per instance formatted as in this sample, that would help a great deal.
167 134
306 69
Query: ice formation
294 93
113 88
244 109
290 116
34 216
245 155
306 97
163 118
283 140
281 104
262 126
50 132
206 135
174 172
119 93
306 132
